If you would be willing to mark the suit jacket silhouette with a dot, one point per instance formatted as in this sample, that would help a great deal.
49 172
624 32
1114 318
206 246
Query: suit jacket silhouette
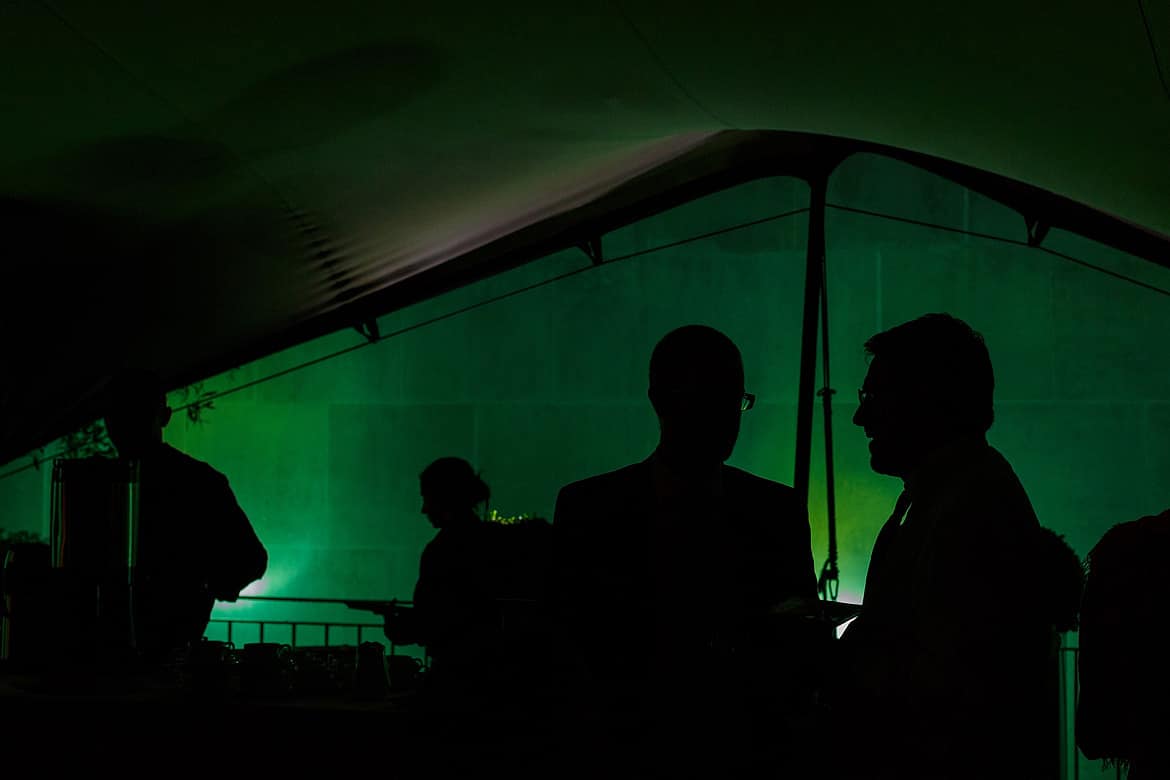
953 654
665 585
1123 710
195 545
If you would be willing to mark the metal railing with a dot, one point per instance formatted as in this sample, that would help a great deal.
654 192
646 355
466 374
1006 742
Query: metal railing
326 627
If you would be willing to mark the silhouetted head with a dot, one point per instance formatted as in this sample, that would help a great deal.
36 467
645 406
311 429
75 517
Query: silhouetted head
929 383
451 491
696 388
136 412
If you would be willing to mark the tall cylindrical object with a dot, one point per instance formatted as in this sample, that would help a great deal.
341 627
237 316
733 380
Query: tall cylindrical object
6 607
23 585
93 541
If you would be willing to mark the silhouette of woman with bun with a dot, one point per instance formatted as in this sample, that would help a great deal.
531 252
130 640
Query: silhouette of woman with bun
454 615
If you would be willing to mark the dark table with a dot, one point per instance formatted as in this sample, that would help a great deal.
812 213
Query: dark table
149 724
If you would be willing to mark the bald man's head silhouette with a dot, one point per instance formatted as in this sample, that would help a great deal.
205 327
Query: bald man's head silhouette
697 390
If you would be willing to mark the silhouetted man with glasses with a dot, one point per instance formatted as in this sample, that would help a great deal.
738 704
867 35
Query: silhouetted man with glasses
948 664
671 565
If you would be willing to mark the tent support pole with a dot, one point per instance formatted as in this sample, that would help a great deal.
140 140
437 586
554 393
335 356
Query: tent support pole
816 302
813 280
828 581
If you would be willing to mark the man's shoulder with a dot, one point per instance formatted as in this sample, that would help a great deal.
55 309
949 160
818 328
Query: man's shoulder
740 481
180 462
1133 537
990 481
613 491
618 478
766 505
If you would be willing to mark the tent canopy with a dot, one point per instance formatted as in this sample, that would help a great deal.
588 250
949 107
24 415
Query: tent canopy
193 189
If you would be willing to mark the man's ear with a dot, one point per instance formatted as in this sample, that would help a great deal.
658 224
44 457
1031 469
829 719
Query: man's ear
165 416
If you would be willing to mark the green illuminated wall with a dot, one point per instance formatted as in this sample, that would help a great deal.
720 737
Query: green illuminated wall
537 391
549 386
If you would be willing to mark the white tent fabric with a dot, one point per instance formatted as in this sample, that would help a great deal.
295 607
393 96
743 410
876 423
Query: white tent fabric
193 188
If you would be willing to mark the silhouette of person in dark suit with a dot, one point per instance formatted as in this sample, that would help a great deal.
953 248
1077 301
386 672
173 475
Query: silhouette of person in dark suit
948 664
1123 711
671 564
195 544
